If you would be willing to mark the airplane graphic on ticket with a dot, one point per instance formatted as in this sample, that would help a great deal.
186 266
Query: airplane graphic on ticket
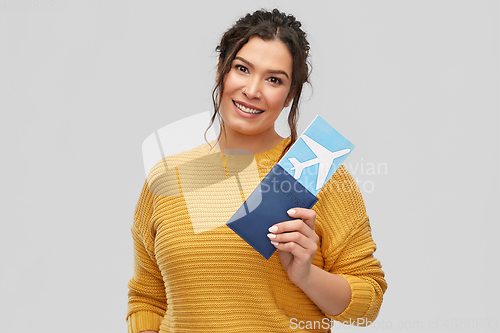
324 158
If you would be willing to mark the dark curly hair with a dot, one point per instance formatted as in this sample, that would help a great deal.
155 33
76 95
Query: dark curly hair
268 26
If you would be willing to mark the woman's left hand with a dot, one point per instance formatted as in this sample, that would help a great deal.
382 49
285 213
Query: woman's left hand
297 243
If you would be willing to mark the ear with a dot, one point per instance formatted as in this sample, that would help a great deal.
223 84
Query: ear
289 99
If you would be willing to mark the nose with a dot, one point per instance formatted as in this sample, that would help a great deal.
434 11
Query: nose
252 88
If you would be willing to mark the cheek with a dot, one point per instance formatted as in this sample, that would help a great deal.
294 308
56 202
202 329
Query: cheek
231 82
278 99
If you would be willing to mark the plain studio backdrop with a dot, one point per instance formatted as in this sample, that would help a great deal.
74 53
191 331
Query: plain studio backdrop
413 84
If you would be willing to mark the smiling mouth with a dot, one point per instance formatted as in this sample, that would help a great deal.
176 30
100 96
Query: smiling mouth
247 110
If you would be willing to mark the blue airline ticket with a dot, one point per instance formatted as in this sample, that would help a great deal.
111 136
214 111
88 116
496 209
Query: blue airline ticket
316 155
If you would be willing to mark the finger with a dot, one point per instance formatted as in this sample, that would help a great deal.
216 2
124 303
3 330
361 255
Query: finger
298 251
293 225
296 237
306 215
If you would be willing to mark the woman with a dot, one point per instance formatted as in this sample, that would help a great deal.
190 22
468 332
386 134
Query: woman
191 272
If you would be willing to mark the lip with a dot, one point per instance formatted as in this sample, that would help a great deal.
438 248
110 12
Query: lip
250 106
244 114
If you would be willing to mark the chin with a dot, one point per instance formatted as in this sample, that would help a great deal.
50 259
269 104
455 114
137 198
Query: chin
242 129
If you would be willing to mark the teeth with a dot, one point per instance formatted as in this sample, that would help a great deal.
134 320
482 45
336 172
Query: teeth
247 110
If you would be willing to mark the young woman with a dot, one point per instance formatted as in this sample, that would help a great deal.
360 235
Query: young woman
191 272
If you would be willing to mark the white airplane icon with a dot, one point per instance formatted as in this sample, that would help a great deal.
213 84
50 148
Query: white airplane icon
324 157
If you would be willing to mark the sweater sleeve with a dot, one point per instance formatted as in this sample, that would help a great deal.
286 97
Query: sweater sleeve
348 249
364 274
147 302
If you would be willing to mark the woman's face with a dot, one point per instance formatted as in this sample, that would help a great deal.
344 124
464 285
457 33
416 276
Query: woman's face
256 88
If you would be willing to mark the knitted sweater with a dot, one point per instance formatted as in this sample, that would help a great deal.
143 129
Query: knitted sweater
194 274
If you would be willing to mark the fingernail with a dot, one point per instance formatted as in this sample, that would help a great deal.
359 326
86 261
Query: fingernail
273 229
291 211
275 243
271 235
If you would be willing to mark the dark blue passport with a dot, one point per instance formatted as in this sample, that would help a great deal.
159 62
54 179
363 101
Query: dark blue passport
266 206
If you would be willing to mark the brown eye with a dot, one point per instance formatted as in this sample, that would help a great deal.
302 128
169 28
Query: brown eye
241 68
275 80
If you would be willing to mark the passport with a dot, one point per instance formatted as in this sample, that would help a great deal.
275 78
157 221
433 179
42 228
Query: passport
292 182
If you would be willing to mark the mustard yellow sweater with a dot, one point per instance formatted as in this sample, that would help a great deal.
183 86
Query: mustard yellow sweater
194 274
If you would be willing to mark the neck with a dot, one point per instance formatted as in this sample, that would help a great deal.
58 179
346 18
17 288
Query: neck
234 140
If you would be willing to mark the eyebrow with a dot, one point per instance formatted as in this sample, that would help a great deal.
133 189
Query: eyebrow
277 71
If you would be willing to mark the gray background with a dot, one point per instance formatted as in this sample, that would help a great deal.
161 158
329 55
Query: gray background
413 84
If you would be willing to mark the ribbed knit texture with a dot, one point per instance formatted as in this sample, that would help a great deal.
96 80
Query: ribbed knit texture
196 276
